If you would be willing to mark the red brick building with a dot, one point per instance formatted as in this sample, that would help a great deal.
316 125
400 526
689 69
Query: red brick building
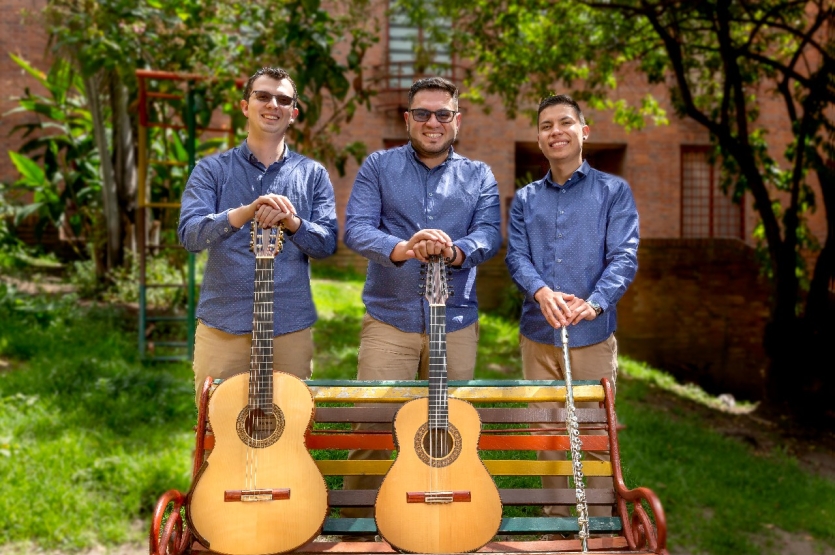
698 305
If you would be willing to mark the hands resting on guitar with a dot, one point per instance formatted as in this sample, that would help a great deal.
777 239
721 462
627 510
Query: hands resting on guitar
268 210
425 243
562 309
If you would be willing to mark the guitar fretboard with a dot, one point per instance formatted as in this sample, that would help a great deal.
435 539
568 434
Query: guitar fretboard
261 355
438 406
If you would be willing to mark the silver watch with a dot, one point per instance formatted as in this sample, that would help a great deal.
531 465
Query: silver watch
596 306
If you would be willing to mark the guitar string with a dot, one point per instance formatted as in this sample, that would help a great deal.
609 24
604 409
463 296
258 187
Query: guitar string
439 417
260 393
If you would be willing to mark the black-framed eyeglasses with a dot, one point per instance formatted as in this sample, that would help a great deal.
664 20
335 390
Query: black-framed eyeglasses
443 116
266 98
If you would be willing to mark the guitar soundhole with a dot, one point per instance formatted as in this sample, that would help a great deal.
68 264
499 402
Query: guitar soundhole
437 448
258 428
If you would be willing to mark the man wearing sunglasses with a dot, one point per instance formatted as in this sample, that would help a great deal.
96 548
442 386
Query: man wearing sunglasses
407 204
262 179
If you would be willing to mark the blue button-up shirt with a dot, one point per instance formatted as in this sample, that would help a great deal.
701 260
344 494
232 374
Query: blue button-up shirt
394 196
579 238
235 178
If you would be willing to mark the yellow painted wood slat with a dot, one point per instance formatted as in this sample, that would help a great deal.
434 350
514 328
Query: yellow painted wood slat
495 467
511 394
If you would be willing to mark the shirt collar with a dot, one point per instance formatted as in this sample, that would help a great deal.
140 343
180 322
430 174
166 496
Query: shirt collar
577 176
450 155
252 159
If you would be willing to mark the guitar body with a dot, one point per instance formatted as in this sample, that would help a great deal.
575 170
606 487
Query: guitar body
258 527
453 527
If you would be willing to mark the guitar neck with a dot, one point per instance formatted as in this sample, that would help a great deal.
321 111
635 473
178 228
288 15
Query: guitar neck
261 354
438 389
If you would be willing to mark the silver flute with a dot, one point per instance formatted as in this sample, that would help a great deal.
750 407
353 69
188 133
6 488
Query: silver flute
573 428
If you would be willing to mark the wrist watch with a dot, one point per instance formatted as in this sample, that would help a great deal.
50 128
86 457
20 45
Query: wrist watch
596 306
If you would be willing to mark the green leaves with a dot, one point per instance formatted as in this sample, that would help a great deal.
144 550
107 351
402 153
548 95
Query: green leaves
58 162
31 174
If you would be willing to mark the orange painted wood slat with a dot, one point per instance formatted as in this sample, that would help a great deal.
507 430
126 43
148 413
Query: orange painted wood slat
486 442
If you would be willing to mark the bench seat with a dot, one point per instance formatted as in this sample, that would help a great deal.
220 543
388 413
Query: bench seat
507 426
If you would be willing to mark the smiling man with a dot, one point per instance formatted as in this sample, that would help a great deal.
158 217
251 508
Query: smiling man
573 251
263 179
407 204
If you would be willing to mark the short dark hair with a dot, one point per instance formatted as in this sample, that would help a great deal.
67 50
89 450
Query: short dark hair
561 99
433 84
276 73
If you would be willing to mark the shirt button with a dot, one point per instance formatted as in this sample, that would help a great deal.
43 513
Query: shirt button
430 194
431 217
562 191
227 229
559 235
559 259
208 240
562 211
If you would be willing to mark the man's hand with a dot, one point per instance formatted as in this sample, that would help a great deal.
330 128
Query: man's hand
422 245
557 307
584 312
268 210
277 209
562 309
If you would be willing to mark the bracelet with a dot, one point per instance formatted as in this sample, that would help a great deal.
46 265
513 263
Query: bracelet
452 257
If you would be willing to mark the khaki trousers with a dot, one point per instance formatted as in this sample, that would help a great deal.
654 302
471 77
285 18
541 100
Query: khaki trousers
221 355
386 353
545 362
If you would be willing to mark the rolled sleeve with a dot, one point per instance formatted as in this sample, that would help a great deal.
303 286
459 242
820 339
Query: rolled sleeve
200 224
363 217
484 238
316 236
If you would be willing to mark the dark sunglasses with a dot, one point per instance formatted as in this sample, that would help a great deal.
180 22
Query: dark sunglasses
443 116
265 97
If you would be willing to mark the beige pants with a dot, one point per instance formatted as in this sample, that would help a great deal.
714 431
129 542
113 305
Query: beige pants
386 353
220 355
545 362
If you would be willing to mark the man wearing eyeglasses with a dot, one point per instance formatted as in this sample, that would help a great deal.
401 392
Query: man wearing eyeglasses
407 204
262 179
573 251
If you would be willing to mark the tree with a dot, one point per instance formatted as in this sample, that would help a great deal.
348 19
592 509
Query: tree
107 40
718 59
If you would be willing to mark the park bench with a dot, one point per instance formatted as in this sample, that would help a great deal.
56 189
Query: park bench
638 528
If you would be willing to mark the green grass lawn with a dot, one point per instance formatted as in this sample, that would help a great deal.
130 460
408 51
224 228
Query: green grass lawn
90 436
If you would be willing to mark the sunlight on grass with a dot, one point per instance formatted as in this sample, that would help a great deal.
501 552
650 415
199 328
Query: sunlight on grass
643 372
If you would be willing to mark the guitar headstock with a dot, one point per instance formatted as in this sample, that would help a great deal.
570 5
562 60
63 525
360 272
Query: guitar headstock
266 242
435 283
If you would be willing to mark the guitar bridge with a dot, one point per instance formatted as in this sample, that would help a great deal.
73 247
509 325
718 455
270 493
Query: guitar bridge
438 497
249 495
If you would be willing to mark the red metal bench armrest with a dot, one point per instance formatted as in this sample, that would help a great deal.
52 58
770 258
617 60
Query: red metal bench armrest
174 537
639 529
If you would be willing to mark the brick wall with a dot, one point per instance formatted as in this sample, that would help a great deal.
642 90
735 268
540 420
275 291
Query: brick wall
698 310
22 35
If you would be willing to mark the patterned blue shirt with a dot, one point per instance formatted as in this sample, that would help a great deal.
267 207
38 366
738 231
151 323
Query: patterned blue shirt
579 238
235 178
394 196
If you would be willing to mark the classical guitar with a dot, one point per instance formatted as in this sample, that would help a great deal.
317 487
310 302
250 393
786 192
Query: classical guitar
259 490
437 497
